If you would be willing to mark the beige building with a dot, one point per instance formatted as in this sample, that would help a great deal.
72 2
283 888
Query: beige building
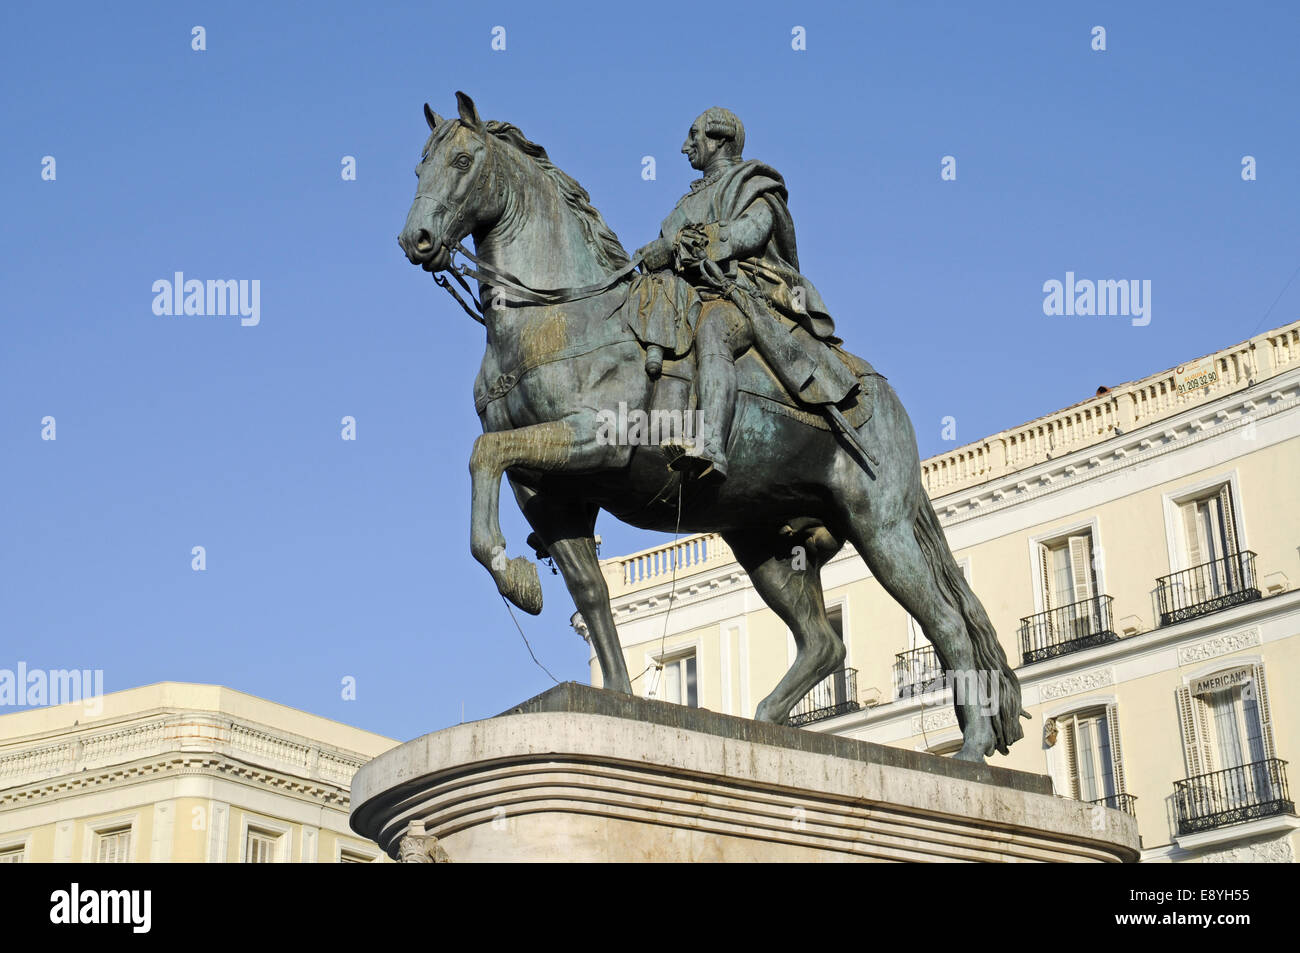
180 772
1139 554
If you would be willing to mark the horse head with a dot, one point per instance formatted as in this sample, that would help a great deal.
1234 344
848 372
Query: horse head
457 193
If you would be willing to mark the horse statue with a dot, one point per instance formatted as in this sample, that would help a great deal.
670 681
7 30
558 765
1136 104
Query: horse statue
562 358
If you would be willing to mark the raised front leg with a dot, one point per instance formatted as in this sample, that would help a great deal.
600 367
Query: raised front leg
550 447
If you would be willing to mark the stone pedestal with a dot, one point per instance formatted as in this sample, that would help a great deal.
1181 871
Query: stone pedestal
583 774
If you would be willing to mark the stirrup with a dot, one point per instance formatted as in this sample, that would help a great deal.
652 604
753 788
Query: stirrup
686 459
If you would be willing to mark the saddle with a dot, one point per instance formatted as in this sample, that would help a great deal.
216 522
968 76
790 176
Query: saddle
662 310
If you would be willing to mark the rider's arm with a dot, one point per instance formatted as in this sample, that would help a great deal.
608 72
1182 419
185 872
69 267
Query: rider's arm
743 237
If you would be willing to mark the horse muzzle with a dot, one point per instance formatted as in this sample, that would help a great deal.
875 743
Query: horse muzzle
421 250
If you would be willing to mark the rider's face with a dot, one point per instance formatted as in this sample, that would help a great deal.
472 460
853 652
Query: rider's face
698 148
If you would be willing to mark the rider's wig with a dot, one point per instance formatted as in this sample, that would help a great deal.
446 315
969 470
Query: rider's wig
722 123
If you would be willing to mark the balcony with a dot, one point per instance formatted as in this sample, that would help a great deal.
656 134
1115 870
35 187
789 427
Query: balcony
1080 625
834 695
916 671
1209 587
1120 802
1244 793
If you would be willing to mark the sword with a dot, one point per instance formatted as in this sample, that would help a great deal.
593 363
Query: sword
833 414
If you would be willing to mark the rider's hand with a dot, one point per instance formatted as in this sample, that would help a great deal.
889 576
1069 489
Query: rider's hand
657 255
691 246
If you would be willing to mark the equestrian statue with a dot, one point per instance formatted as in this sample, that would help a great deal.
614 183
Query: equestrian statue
800 446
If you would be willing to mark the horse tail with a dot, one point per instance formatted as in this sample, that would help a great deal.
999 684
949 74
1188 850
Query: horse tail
989 656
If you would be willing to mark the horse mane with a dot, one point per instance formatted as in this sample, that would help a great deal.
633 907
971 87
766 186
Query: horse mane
599 235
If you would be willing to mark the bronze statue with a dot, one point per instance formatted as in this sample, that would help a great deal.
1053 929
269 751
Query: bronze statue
817 452
735 216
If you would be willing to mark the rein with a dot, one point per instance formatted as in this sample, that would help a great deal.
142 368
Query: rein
486 274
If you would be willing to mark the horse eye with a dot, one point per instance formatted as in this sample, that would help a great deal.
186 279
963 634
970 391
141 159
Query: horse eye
462 162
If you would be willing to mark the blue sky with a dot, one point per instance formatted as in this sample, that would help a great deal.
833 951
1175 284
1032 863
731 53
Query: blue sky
327 558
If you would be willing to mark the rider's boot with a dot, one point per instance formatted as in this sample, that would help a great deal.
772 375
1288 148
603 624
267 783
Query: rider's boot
654 361
705 456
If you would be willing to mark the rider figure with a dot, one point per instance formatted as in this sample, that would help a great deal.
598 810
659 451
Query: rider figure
735 216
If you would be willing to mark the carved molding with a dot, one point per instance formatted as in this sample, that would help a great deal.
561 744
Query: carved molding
934 720
1261 852
1219 645
1075 684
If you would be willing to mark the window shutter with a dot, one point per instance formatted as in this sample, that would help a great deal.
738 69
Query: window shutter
1192 535
1187 717
1045 572
1229 523
1081 567
1265 719
1067 729
1117 759
1204 732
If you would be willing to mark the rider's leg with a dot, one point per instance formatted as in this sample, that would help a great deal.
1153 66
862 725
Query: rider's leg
721 333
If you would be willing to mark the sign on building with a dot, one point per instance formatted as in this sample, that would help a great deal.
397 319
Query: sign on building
1194 376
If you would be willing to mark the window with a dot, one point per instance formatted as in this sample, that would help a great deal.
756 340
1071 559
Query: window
1208 533
354 857
13 855
114 846
1209 530
1073 607
1090 765
675 681
1225 720
1067 571
262 847
838 680
1233 774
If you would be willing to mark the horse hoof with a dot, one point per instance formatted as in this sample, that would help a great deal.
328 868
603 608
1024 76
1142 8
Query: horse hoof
519 584
769 715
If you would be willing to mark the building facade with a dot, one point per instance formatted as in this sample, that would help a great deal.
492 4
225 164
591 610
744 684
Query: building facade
1138 553
180 772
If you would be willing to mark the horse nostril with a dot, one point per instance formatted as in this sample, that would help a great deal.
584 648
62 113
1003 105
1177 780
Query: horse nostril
423 240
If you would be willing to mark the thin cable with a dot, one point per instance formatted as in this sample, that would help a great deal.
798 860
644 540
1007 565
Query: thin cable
1276 300
525 638
672 586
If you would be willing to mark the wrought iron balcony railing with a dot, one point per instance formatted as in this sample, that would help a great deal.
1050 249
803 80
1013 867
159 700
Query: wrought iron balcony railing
1209 587
1120 802
1231 796
915 671
1080 625
835 694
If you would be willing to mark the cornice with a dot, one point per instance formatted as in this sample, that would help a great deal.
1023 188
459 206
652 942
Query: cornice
198 734
175 765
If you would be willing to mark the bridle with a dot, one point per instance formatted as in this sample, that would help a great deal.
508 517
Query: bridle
488 274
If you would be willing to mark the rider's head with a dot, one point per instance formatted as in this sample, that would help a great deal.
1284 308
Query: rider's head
715 132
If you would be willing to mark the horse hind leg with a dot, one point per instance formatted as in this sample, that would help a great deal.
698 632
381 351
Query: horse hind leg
785 568
912 561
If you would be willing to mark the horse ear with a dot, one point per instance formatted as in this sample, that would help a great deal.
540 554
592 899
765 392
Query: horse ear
468 114
432 118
